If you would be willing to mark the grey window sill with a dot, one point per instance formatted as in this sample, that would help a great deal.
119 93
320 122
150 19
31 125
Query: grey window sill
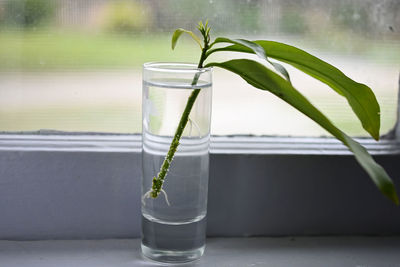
276 252
62 184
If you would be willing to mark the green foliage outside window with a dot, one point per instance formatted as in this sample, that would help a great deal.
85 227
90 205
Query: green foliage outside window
27 13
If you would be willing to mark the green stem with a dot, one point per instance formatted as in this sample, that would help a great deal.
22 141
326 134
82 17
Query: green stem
159 180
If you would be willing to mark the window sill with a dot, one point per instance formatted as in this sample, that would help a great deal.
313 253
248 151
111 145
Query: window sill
284 251
265 186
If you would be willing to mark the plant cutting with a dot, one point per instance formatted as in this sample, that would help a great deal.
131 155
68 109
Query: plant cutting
276 80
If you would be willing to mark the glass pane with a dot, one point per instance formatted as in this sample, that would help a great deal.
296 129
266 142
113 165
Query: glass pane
75 65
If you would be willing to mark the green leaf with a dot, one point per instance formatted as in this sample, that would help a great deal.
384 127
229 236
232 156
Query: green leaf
359 96
178 32
257 49
261 77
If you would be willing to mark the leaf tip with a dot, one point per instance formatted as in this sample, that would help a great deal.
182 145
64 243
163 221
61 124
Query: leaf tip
390 192
175 37
395 198
375 134
372 129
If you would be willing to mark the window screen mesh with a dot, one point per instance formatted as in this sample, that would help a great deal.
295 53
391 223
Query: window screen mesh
75 65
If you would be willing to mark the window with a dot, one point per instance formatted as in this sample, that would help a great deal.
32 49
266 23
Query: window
76 65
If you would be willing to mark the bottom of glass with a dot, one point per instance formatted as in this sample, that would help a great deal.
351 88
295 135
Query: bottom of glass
172 256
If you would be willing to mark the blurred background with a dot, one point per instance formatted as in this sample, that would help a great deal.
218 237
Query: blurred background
75 65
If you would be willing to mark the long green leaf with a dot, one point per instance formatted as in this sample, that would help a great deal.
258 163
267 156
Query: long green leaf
178 32
359 96
257 49
261 77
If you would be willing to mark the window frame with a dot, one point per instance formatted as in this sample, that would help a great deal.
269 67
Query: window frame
57 141
48 163
46 192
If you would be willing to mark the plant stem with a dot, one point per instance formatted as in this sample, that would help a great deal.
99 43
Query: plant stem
159 180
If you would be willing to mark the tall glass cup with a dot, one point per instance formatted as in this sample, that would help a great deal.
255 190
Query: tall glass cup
174 223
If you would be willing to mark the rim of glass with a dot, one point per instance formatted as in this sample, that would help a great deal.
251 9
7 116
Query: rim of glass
175 67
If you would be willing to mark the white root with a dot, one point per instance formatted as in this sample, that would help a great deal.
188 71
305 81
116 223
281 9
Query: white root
195 126
147 195
166 196
190 127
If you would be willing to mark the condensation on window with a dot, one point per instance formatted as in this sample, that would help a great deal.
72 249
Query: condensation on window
75 65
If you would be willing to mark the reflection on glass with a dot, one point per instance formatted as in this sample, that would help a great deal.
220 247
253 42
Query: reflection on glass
76 65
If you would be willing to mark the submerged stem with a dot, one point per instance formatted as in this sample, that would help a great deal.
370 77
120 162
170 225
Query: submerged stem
158 181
